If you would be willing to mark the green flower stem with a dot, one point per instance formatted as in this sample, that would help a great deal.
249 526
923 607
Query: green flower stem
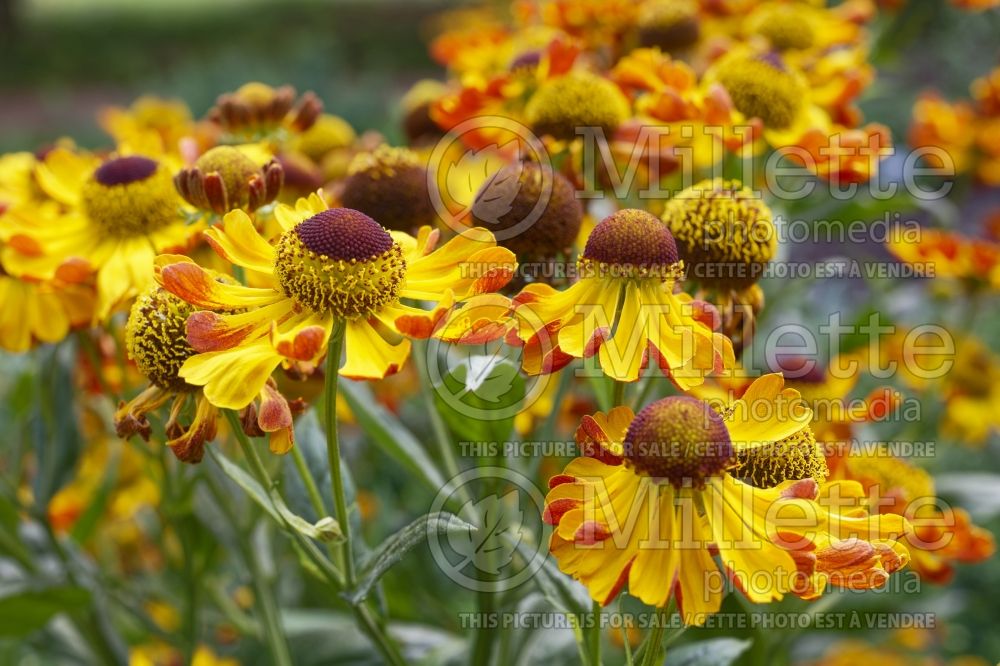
618 394
595 634
362 613
654 643
267 603
334 350
315 498
270 614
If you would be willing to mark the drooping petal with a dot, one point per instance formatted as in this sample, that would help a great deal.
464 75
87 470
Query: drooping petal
370 355
208 331
302 339
234 377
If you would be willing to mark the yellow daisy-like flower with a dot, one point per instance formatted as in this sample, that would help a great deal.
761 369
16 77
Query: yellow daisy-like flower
651 501
119 214
33 310
329 266
624 309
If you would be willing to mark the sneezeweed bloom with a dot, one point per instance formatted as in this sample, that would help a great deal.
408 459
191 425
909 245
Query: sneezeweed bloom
652 500
256 111
942 536
156 340
972 394
670 25
532 209
33 310
330 268
390 185
945 127
40 312
726 237
575 101
149 126
948 254
762 86
725 234
118 214
623 309
224 178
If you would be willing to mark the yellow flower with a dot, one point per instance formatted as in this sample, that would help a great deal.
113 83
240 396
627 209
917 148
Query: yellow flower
972 394
725 234
33 310
577 100
652 499
623 309
118 215
150 126
328 266
948 127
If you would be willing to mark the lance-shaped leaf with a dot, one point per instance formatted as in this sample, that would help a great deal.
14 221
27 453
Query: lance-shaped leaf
393 549
326 529
713 652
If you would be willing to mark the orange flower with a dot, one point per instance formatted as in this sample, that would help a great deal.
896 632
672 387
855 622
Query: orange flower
946 126
951 255
942 536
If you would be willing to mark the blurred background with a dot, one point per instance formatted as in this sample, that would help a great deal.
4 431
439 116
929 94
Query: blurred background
62 60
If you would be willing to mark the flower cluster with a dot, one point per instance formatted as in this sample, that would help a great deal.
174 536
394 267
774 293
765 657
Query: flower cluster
577 206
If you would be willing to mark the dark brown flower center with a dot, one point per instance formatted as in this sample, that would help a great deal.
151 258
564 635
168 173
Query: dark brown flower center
125 170
632 239
679 439
342 233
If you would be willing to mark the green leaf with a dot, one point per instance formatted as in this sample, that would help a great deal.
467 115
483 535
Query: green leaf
713 652
393 549
480 397
389 434
27 609
326 529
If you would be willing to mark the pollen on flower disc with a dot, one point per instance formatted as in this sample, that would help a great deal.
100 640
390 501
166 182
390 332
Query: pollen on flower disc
340 261
578 100
343 233
156 338
761 87
798 456
678 439
725 233
125 170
